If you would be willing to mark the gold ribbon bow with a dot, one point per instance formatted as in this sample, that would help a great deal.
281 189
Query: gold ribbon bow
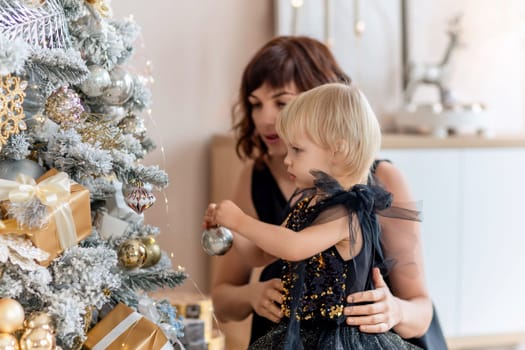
53 192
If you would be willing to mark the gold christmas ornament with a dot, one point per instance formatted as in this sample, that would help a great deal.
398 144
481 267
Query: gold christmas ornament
37 339
101 6
132 254
11 315
100 132
11 111
132 124
153 252
39 319
8 342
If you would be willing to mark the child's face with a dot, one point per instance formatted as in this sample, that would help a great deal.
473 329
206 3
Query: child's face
304 155
267 103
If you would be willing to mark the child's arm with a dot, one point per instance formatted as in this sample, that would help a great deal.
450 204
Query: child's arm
277 240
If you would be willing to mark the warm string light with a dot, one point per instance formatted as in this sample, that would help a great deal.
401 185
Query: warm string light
328 39
163 165
201 294
146 77
359 24
296 4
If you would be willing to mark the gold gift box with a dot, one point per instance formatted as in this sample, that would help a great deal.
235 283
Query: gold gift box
46 238
117 332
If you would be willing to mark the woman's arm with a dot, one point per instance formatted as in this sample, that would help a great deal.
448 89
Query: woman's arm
407 307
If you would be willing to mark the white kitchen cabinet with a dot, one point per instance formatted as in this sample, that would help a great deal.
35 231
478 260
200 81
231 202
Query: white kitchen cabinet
473 233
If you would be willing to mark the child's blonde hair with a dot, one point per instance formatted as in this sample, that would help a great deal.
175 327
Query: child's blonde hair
337 117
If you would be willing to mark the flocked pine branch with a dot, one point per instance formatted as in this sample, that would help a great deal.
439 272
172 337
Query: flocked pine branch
137 172
153 280
13 54
68 153
100 43
56 68
148 144
141 98
17 147
73 9
130 145
43 26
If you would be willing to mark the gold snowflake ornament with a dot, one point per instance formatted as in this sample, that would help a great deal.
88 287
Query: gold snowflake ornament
11 111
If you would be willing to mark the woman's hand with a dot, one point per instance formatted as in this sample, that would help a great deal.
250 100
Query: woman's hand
267 297
382 311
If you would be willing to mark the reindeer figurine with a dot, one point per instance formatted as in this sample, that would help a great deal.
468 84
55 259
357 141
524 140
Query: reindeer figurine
435 74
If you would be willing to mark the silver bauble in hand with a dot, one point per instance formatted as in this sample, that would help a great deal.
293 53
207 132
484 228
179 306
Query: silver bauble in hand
216 240
97 81
120 89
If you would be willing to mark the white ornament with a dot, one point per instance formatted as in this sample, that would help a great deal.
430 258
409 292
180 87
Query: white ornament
97 81
121 88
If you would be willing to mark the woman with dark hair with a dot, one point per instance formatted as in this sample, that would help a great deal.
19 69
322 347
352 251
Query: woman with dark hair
278 72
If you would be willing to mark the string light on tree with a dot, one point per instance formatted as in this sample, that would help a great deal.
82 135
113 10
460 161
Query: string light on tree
296 4
359 24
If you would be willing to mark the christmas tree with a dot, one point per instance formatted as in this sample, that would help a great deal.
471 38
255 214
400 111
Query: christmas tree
73 242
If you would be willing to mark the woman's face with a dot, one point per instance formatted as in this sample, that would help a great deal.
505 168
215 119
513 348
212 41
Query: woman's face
267 103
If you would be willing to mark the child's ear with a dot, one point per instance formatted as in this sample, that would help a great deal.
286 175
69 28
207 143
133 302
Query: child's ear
341 146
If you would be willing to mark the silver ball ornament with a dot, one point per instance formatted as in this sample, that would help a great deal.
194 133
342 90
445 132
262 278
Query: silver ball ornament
121 88
216 240
34 102
10 168
97 81
112 113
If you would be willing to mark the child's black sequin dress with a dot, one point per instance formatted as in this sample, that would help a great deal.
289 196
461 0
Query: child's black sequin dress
315 289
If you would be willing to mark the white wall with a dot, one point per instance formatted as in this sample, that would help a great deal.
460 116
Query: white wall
488 68
198 49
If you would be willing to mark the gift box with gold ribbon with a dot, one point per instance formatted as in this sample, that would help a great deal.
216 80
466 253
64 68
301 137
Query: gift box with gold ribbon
124 328
68 205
